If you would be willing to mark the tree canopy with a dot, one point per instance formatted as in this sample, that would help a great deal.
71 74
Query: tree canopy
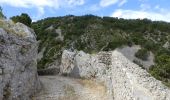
23 18
1 13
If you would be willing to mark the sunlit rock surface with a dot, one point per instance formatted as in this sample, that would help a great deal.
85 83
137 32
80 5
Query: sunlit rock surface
124 79
18 61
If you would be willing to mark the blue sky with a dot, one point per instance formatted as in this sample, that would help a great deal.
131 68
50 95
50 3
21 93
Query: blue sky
129 9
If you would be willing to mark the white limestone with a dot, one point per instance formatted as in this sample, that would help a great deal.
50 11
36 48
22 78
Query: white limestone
124 79
18 62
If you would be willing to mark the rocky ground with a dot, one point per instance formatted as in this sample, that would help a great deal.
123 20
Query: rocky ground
65 88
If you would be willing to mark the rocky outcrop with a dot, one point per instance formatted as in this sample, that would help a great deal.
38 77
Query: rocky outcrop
80 64
124 79
18 61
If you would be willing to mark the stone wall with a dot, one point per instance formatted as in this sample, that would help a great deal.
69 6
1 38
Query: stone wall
130 82
124 79
18 61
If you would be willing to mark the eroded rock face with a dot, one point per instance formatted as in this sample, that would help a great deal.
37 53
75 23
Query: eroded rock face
80 64
18 61
124 79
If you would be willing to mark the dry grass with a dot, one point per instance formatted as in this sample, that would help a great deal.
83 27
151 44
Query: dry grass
93 85
10 27
95 88
69 93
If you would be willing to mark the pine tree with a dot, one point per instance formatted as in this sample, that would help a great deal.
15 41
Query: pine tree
1 13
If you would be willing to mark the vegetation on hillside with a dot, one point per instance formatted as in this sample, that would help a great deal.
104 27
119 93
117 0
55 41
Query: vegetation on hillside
142 54
93 34
161 70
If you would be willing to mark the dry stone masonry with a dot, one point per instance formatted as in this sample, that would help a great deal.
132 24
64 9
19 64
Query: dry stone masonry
124 79
18 60
133 83
105 57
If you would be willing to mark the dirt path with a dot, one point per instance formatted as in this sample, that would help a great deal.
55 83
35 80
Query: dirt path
63 88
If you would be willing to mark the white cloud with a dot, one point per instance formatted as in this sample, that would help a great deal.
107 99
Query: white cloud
157 7
145 6
106 3
143 0
75 2
41 4
134 14
29 3
155 13
122 2
40 13
94 8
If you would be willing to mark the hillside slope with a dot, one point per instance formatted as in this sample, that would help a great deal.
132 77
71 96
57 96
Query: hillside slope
93 34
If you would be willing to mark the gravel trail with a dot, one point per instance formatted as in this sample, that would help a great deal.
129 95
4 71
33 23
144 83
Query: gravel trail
64 88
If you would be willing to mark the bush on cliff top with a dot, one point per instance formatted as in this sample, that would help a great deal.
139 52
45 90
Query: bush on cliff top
23 18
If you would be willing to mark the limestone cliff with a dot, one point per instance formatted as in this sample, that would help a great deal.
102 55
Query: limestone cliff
18 61
124 79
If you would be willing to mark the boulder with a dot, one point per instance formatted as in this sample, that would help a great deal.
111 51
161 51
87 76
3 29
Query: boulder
18 61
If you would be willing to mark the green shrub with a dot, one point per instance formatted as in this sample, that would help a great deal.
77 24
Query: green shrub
150 45
23 18
142 54
161 70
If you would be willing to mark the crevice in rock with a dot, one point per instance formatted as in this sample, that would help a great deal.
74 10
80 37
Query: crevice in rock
6 92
